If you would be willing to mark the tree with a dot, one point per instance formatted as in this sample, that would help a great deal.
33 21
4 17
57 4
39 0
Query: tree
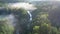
5 28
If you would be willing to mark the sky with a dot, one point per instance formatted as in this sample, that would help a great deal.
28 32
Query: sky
25 0
43 0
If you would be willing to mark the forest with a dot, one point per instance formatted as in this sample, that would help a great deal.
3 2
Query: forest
35 17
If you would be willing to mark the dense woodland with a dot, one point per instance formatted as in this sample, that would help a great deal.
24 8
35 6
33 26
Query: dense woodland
46 19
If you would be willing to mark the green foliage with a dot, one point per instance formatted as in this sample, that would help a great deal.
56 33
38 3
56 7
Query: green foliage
54 30
44 25
36 29
5 28
20 14
41 23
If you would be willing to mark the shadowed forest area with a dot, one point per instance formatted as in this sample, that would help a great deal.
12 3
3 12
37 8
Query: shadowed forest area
34 17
